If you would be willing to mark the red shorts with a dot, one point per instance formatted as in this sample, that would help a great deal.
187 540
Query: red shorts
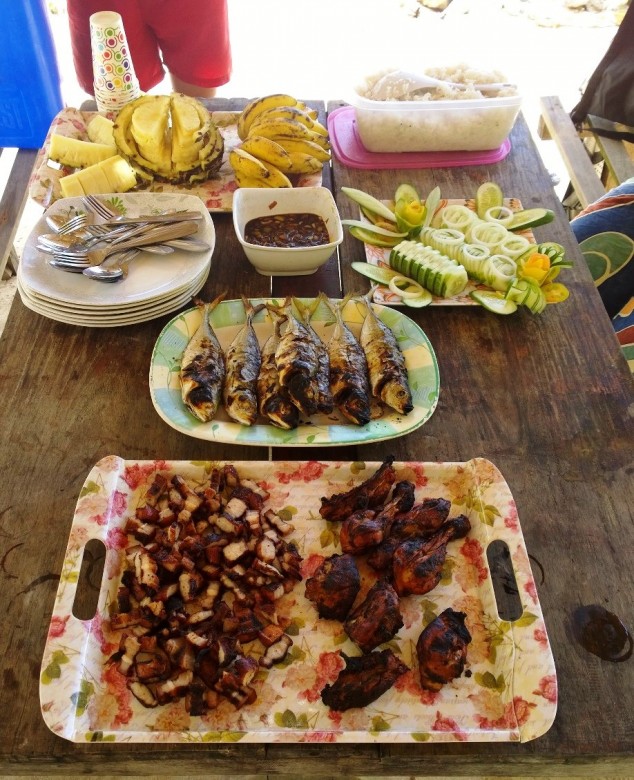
189 37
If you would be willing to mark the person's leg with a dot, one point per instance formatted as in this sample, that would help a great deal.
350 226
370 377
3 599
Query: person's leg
143 46
178 85
194 39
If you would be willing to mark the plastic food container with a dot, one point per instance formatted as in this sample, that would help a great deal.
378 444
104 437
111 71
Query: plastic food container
434 125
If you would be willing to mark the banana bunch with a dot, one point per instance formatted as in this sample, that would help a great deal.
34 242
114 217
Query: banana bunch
280 138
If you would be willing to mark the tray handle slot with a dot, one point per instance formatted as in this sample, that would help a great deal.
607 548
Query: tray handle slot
89 580
505 588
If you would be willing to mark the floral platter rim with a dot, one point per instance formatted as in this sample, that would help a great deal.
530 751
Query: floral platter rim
74 693
379 256
420 360
216 193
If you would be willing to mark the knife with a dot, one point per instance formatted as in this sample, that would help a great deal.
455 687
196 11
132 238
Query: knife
176 216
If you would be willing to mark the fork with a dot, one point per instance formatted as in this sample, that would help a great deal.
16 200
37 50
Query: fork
96 205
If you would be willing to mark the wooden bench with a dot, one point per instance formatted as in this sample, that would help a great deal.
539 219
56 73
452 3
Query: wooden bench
617 155
555 123
16 173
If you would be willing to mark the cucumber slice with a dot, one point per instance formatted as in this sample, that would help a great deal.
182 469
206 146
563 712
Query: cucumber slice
431 204
369 202
493 301
407 193
375 272
529 218
373 228
374 239
424 299
488 195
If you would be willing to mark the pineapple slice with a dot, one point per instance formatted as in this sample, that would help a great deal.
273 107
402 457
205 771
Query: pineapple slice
93 180
111 175
71 186
78 154
119 173
149 128
186 126
99 130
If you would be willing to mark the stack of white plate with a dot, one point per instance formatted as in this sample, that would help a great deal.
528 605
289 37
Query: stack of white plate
155 285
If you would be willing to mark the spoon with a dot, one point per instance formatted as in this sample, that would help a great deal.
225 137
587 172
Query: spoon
112 270
398 83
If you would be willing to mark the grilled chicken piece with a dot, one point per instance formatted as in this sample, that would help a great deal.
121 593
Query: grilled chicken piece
407 527
361 532
366 529
377 619
415 570
370 493
334 587
442 649
417 563
364 679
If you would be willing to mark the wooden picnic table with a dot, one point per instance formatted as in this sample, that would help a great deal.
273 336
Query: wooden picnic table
548 399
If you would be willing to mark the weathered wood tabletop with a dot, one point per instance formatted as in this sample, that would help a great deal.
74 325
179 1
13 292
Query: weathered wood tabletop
547 398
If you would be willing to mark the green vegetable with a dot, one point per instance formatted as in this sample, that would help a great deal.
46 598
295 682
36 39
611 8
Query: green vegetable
375 272
529 218
436 272
374 239
494 301
369 202
488 195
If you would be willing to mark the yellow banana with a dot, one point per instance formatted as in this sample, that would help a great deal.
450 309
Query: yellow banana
304 163
320 140
276 178
269 128
255 107
305 146
288 112
248 181
306 109
269 150
247 165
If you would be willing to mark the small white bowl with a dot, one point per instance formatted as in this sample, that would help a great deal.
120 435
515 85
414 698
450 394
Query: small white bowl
249 203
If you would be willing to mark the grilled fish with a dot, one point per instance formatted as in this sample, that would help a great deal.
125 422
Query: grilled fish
273 400
386 364
325 401
202 370
348 370
242 366
296 361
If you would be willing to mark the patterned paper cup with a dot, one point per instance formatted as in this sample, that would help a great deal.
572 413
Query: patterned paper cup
115 82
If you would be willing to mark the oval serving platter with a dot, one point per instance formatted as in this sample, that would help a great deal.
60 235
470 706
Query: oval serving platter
320 430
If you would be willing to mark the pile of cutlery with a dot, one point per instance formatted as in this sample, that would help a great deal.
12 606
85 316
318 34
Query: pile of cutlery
80 243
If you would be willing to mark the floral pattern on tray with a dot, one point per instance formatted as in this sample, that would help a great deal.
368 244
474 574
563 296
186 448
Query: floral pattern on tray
217 192
376 255
508 693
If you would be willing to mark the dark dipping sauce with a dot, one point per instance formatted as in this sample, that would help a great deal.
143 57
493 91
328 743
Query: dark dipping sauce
287 230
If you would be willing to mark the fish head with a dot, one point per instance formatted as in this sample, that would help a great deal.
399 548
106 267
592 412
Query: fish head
397 397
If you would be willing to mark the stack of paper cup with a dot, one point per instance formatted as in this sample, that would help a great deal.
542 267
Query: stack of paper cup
115 82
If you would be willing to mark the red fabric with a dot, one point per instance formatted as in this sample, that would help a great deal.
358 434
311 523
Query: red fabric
189 37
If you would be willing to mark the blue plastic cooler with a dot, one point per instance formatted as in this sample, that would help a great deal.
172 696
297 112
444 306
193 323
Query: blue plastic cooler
30 93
